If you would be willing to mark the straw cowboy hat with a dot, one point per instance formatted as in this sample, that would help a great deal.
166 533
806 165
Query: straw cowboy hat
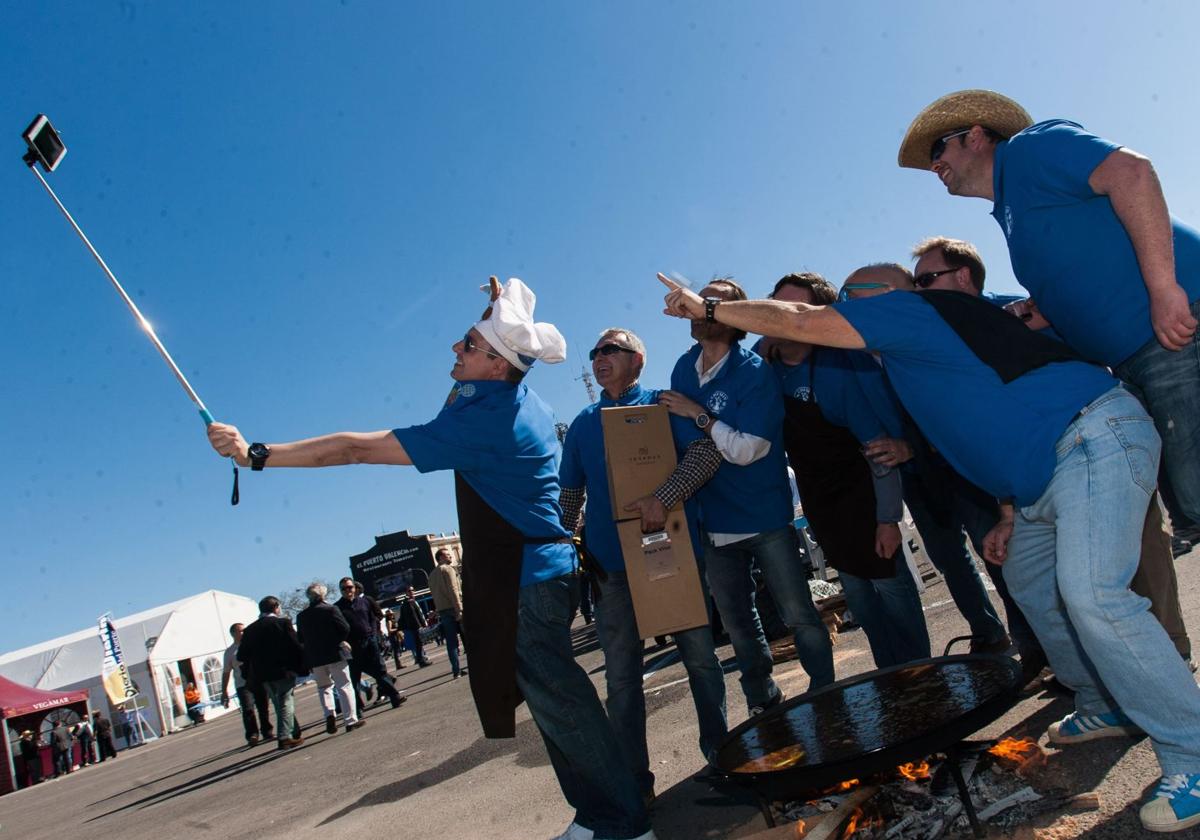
953 111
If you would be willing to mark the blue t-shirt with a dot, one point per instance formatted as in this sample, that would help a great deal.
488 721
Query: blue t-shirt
1000 436
838 391
500 438
583 465
744 394
1069 249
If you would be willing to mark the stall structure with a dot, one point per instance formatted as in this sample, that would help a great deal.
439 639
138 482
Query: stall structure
24 708
164 648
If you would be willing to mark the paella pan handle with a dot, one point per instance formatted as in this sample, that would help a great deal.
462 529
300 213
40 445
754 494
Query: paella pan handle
957 639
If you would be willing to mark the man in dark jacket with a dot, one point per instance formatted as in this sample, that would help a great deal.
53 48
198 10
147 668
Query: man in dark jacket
102 727
364 644
274 657
60 742
412 619
323 631
31 757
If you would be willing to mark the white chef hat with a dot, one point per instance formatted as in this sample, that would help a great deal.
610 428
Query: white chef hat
513 333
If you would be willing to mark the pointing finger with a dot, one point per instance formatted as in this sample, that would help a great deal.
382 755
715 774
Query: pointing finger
668 282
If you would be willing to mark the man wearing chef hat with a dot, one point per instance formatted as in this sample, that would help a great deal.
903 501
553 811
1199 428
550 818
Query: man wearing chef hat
518 562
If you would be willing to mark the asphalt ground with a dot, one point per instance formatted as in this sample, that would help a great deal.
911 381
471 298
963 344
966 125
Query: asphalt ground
425 770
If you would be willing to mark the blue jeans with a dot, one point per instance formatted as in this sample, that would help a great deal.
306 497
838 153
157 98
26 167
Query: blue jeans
778 558
889 611
616 627
946 546
1072 555
1168 383
562 700
282 694
449 626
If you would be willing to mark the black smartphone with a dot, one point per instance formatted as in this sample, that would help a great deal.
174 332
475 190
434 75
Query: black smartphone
45 146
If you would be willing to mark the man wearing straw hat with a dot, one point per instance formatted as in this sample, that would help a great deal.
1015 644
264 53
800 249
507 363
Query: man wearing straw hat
518 561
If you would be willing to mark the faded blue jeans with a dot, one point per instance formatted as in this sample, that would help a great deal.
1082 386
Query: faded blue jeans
777 555
616 627
282 695
889 611
1168 383
583 750
450 632
1072 555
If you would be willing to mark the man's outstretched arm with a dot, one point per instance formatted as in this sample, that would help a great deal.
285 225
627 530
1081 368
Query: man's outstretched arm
775 318
325 451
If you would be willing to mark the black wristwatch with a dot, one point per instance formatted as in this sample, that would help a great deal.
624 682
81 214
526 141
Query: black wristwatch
258 454
702 420
710 308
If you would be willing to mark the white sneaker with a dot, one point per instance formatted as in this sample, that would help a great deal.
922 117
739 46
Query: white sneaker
575 832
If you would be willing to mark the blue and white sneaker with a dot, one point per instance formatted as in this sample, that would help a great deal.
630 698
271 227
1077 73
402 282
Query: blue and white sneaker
1075 728
1175 805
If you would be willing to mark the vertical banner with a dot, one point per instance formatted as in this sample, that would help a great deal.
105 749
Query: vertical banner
118 684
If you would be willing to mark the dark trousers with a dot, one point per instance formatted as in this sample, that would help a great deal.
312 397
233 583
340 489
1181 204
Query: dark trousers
366 660
251 698
33 770
62 761
86 756
104 743
412 638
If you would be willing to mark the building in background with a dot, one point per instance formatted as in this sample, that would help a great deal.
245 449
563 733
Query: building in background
400 560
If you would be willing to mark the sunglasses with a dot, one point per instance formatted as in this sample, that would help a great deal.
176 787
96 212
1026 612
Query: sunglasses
924 281
469 344
607 350
939 145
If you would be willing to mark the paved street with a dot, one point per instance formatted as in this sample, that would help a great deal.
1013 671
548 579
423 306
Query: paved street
424 770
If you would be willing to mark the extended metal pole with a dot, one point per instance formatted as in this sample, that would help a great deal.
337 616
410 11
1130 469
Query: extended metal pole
137 314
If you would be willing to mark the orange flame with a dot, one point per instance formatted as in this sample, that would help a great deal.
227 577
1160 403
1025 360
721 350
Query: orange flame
913 772
1019 750
849 784
852 823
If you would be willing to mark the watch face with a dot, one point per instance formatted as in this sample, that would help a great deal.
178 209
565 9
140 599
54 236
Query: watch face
258 450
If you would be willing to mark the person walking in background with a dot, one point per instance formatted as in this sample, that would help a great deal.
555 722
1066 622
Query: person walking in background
447 601
102 727
250 694
87 741
364 645
323 630
60 743
273 653
31 756
412 620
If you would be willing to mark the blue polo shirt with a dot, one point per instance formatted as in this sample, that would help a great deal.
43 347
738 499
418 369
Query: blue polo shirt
1000 436
744 394
500 438
584 465
839 389
1069 249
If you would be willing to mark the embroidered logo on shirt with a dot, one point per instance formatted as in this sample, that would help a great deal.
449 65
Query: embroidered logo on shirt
804 394
717 401
466 390
1008 220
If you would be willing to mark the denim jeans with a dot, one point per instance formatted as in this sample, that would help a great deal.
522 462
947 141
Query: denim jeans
283 698
583 750
616 627
332 677
449 626
889 611
1072 555
946 546
777 555
1168 383
251 698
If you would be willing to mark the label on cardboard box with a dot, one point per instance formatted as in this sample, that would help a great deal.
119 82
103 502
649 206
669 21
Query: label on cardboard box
664 581
639 451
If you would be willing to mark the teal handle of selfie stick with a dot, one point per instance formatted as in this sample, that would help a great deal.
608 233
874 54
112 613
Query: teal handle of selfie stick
206 416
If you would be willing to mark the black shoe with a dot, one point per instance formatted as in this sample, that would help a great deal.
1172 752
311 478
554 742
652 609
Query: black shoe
424 663
707 775
350 727
999 645
268 734
330 724
398 700
755 711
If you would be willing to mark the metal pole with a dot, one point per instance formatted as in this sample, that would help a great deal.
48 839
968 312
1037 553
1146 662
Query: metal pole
142 322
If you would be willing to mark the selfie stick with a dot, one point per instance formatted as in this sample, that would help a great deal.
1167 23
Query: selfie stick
31 160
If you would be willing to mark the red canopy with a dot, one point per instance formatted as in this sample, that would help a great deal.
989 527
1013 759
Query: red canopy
16 699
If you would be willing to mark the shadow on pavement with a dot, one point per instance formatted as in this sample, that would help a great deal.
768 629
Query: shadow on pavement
527 745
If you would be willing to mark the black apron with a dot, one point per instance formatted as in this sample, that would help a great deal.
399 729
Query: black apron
491 581
835 486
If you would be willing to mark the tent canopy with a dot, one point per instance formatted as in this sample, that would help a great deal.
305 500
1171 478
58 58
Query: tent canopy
16 699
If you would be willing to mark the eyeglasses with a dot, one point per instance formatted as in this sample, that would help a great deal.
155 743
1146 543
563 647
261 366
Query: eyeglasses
469 344
347 588
939 145
844 294
924 281
607 350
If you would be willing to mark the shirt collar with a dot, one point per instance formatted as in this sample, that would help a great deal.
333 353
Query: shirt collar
714 371
998 156
626 397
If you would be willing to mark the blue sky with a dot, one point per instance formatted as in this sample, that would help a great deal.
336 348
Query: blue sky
303 198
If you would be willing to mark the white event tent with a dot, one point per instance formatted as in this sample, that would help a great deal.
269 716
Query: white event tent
163 647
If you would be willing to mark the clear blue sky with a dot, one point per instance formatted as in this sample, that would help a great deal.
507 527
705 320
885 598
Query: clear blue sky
304 197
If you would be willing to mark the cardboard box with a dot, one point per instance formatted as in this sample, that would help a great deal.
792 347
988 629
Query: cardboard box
663 578
640 453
